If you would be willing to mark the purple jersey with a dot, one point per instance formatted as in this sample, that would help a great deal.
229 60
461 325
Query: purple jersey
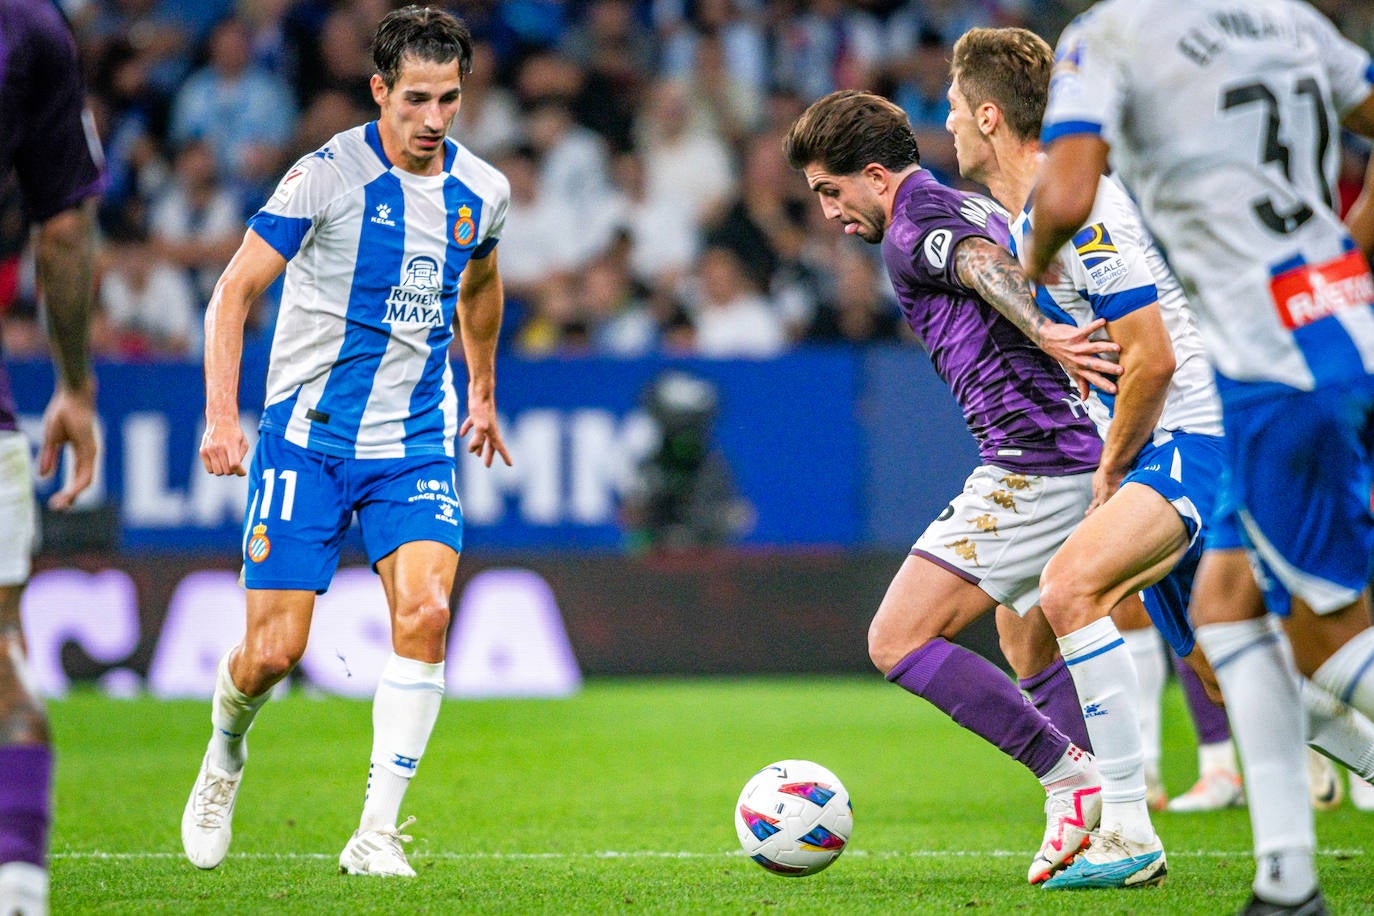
45 136
1017 402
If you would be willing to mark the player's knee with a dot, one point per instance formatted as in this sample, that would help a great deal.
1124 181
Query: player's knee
1067 598
424 620
265 665
886 648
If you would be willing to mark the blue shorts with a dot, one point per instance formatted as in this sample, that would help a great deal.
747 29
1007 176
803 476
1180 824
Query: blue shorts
301 502
1299 464
1185 471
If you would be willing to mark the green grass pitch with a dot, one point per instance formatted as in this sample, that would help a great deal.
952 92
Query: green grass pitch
618 800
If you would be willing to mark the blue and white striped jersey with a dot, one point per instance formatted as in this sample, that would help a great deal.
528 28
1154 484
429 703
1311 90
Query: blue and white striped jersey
1223 118
1109 269
359 364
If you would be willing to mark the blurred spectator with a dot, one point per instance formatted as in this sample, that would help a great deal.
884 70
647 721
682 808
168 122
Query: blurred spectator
758 212
534 232
734 26
917 80
687 165
130 116
731 318
344 60
195 223
573 177
616 55
246 113
148 308
488 121
617 315
856 310
555 326
662 236
829 45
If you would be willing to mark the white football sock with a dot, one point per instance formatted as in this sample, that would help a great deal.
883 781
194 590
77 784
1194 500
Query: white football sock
403 714
1344 733
1348 675
1152 670
232 713
1260 684
1104 675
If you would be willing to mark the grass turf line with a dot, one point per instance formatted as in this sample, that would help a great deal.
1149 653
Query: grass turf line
618 800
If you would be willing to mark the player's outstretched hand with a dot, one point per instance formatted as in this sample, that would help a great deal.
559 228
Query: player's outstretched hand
222 448
69 420
486 440
1081 357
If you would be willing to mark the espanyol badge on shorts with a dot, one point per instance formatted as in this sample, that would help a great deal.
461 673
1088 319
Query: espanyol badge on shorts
464 230
258 545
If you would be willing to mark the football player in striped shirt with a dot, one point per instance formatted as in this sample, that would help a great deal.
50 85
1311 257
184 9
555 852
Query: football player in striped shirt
387 235
1223 119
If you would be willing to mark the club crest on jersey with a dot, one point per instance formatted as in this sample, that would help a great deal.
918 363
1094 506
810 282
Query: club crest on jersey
464 230
416 300
258 545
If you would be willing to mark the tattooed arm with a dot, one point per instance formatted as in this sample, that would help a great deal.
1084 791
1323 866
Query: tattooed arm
992 271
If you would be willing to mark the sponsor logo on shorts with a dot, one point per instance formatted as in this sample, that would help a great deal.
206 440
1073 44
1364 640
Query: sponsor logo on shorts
987 522
966 550
1015 481
258 545
435 490
1003 499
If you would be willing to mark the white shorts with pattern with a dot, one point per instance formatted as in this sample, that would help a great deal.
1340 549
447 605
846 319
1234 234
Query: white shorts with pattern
1002 530
18 514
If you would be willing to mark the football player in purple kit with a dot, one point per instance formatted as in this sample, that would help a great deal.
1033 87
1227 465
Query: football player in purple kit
48 142
966 298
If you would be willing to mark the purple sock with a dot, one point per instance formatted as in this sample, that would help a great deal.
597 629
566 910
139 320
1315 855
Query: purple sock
1053 693
1209 719
976 694
25 771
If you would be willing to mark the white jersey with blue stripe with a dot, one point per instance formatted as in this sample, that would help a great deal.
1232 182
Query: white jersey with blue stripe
359 364
1111 268
1223 118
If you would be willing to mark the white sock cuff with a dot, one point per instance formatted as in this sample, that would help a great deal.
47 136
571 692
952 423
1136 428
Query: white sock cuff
1341 674
1222 642
409 673
1097 636
1145 639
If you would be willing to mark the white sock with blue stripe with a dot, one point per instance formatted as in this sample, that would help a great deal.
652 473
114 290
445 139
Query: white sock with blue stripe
1260 684
404 710
231 713
1105 677
1348 675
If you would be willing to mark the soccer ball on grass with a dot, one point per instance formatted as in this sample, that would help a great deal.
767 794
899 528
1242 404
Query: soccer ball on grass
794 817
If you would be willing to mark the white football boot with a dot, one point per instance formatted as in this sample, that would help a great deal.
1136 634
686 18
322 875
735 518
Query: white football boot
1323 782
1111 860
377 852
1214 790
23 889
1070 815
206 823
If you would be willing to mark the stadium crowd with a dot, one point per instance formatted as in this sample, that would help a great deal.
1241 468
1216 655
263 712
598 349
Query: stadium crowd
652 209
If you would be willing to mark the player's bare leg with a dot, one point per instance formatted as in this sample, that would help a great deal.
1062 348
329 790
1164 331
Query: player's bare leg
925 606
26 762
418 580
278 626
1129 542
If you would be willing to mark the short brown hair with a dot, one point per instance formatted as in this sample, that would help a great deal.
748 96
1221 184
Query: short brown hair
846 130
1008 67
427 34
